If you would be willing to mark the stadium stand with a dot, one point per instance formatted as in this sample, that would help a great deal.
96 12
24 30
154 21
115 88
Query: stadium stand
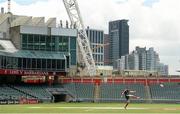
79 91
85 92
9 93
112 92
37 91
169 92
70 87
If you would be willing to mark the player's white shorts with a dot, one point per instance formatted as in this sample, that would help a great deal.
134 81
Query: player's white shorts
130 95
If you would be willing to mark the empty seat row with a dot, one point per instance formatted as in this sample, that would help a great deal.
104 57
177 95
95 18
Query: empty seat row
170 91
113 91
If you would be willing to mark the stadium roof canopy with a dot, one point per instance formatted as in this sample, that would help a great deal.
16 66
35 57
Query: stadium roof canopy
8 49
34 54
7 45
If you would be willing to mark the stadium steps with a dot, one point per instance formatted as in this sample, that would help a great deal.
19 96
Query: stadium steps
59 88
70 93
80 91
37 91
96 93
70 88
20 90
148 94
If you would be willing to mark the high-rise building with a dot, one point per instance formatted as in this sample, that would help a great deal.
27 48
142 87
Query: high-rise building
142 57
163 69
119 40
106 49
142 62
133 61
96 38
129 62
122 63
152 60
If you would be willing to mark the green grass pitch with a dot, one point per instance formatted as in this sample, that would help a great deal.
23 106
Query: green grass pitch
91 108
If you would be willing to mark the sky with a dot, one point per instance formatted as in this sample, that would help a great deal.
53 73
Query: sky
153 23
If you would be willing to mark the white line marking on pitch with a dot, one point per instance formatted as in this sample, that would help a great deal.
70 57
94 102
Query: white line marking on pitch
170 109
85 113
91 108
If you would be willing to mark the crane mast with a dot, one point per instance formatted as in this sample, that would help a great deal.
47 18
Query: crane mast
73 12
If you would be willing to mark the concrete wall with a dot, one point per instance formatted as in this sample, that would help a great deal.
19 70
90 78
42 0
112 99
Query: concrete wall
15 36
1 35
63 32
5 25
51 22
34 30
38 21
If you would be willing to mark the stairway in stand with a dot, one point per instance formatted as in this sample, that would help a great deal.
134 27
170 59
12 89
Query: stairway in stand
96 93
148 94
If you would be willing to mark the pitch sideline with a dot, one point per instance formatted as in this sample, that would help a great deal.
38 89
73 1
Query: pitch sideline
95 108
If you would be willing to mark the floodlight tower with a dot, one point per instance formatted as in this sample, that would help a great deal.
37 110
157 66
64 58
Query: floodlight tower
9 6
74 14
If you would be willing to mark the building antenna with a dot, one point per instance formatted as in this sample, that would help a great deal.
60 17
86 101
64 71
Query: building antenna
9 6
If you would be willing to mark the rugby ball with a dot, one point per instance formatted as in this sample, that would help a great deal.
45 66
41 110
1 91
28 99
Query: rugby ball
161 85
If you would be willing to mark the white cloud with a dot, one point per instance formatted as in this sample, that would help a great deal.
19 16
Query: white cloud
157 26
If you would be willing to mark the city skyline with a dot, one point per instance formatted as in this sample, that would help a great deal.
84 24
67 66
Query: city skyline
119 40
149 21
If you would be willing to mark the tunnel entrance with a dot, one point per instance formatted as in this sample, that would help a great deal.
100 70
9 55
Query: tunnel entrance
60 98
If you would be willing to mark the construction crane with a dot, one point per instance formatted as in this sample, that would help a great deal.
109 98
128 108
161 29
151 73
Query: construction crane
100 45
9 6
74 14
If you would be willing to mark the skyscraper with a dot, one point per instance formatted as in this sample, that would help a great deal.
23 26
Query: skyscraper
163 69
129 62
142 57
106 49
119 40
133 61
152 60
143 60
96 38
